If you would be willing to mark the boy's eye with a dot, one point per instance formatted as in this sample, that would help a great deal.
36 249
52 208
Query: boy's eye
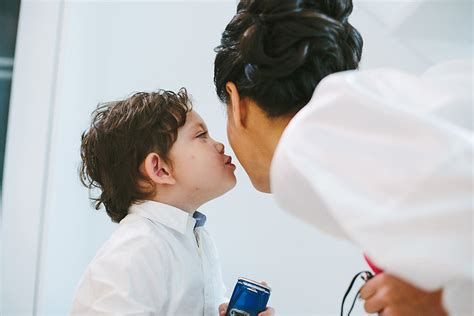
203 134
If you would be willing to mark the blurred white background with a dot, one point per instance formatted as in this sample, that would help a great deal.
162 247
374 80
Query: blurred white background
71 55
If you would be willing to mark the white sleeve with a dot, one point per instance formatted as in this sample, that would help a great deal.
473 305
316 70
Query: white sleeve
384 159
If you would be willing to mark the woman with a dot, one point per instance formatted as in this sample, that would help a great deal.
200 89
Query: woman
379 157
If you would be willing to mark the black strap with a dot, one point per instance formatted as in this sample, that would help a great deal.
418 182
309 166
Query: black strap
353 303
369 275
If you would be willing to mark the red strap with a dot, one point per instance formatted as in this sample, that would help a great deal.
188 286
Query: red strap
374 268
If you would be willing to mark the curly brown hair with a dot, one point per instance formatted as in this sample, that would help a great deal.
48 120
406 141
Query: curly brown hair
121 135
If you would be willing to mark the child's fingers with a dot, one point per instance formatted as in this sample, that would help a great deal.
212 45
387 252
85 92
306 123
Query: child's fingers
268 312
264 283
222 309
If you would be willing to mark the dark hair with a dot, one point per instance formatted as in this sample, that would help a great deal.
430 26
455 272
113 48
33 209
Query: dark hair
121 135
277 51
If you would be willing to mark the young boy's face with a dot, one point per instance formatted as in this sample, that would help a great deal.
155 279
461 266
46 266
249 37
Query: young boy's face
200 165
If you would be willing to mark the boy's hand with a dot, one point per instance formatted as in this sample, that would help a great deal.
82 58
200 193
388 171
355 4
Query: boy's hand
390 296
223 309
268 312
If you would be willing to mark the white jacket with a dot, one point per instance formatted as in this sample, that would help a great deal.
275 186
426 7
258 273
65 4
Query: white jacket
385 159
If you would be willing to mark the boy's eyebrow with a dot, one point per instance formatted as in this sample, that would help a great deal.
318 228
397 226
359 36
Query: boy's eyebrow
199 125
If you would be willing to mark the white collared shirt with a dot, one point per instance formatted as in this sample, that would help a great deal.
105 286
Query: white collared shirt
156 263
385 159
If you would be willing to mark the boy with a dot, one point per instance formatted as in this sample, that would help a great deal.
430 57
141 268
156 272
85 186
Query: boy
155 164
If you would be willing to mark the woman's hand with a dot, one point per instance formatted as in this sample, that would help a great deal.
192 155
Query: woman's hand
390 296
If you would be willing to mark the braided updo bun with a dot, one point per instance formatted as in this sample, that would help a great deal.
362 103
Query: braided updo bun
277 51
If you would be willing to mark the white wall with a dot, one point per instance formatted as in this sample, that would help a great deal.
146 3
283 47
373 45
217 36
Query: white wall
27 162
91 52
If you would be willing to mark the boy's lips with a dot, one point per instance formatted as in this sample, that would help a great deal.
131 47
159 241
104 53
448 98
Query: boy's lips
228 162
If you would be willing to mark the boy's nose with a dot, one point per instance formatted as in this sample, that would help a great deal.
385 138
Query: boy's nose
220 147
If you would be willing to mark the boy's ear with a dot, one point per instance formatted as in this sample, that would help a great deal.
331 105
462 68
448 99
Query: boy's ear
157 170
237 110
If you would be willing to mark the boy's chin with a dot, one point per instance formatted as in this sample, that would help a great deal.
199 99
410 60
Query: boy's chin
225 187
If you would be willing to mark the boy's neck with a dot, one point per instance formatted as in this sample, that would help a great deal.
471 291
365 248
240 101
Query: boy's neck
175 200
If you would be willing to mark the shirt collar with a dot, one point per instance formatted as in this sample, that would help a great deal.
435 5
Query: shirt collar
168 215
200 219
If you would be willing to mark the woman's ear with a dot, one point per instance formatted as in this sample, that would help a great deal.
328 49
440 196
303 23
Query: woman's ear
157 170
237 110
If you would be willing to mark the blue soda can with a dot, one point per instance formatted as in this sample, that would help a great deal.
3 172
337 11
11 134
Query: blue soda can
249 298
